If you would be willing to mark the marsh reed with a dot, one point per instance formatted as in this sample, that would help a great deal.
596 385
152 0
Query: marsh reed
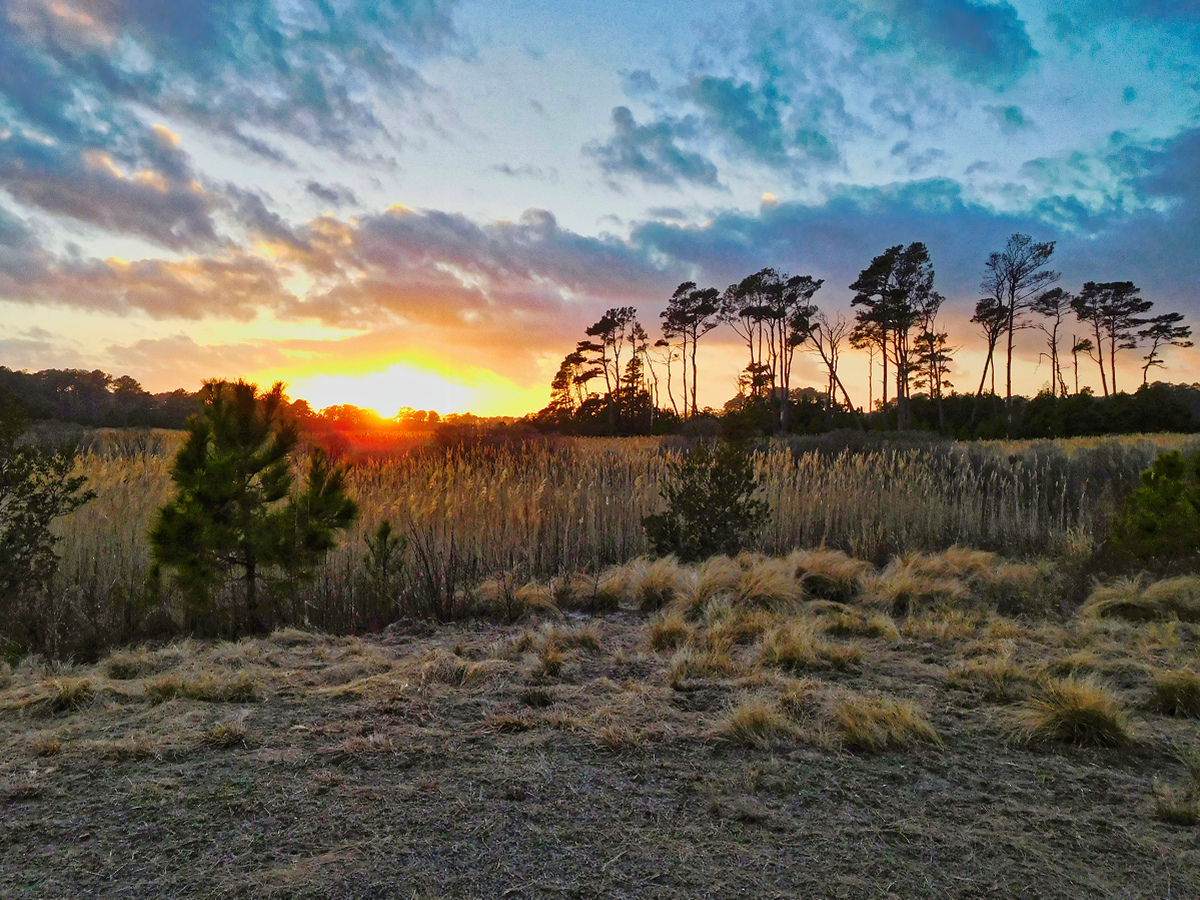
576 505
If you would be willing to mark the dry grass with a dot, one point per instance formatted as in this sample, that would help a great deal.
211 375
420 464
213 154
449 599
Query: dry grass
858 623
205 688
44 747
945 625
669 632
907 585
689 664
729 626
584 637
227 735
997 679
550 663
70 694
575 506
767 583
1131 600
874 724
798 646
829 574
755 722
1177 693
1181 806
1074 711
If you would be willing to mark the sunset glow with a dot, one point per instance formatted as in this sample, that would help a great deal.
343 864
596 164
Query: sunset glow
427 204
401 386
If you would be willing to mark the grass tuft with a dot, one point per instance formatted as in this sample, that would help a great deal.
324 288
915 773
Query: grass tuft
1177 693
753 723
70 694
994 678
669 632
206 689
856 623
1075 711
1126 598
797 646
550 663
874 724
829 574
46 746
227 735
690 663
1181 806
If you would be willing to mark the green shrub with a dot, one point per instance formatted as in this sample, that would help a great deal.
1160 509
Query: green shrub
711 509
1161 519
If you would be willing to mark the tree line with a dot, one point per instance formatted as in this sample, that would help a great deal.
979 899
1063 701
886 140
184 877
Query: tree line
616 381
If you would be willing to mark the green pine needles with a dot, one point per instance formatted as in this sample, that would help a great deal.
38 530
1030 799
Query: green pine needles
711 509
1161 519
234 515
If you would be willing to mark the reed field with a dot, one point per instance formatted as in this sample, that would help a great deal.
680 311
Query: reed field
569 506
912 687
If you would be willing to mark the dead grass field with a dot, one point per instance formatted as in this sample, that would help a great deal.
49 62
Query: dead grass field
807 726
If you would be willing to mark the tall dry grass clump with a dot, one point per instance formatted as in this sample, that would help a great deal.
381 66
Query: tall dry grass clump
874 724
1075 711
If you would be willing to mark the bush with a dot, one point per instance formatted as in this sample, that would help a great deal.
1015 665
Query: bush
1161 520
36 487
710 505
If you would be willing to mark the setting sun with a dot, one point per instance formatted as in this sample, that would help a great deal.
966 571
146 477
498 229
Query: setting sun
404 385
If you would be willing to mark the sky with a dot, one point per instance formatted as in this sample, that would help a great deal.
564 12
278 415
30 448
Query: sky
425 203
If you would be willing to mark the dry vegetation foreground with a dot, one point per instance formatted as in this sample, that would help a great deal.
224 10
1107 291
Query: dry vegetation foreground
756 727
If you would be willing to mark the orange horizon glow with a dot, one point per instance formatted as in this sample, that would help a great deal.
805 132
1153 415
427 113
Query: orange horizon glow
410 386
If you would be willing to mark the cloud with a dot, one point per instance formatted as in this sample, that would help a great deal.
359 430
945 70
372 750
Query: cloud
748 118
79 80
334 194
651 152
304 70
638 82
1069 16
179 361
159 197
1010 119
986 43
539 173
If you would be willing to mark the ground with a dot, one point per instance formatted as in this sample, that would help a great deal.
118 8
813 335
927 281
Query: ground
618 754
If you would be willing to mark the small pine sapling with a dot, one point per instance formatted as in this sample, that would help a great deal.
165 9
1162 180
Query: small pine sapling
711 508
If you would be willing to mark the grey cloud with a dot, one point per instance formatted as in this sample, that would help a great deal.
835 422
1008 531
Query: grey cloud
651 152
442 268
334 194
157 197
639 82
749 118
548 173
980 42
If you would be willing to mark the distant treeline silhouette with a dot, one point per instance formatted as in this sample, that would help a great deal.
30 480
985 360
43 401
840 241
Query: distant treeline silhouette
897 323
